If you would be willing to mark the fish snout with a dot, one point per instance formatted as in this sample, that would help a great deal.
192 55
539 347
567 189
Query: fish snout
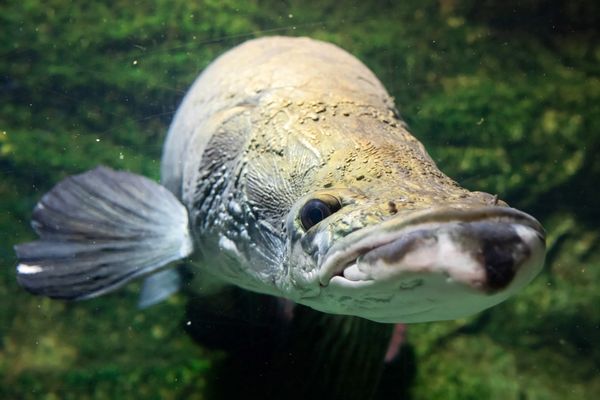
437 264
482 255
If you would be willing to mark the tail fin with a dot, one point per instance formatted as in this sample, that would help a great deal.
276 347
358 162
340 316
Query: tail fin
98 231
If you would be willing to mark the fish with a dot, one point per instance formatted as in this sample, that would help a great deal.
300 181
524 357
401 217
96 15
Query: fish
287 171
314 225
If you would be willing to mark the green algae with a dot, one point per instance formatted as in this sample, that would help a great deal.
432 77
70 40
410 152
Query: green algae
505 97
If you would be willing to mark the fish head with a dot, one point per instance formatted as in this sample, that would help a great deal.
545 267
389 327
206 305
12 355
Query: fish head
395 240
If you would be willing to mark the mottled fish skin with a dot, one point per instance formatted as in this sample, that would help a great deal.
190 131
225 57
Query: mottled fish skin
279 121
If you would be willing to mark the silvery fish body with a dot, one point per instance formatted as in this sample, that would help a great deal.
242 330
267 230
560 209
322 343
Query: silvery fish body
298 179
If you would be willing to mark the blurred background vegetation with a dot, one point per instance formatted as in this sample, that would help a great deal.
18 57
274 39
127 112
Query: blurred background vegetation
505 95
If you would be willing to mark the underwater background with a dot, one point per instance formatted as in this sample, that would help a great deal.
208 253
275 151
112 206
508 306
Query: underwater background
504 95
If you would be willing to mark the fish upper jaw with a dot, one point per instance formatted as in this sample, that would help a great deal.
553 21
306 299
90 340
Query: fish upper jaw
435 264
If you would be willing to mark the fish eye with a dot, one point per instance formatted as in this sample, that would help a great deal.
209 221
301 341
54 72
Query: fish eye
316 210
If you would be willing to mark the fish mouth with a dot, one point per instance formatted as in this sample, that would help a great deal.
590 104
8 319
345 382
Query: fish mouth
403 269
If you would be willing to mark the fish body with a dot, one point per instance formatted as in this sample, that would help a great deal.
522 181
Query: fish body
292 174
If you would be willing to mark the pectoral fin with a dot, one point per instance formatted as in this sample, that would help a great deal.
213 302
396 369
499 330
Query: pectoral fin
159 287
98 231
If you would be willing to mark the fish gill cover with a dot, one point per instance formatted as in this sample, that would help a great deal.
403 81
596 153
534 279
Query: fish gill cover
505 98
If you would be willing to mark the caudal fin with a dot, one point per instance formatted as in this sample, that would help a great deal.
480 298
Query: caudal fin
98 231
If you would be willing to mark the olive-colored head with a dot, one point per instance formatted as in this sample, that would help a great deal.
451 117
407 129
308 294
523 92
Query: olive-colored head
381 233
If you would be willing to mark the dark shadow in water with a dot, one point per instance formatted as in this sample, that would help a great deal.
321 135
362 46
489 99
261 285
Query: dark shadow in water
312 355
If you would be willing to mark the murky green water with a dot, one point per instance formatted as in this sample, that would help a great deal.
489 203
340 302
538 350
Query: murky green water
506 99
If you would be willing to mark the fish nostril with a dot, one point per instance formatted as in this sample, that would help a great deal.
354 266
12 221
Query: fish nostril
499 265
501 251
